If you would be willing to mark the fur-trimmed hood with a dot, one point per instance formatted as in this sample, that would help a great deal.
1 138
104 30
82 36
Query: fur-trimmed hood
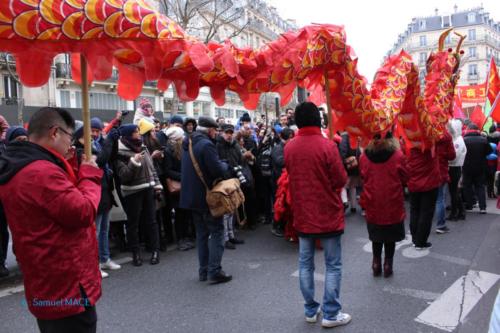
380 151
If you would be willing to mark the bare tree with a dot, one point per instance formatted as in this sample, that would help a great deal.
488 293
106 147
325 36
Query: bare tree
203 18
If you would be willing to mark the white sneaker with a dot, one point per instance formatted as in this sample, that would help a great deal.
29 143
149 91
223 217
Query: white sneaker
104 274
340 319
314 318
110 264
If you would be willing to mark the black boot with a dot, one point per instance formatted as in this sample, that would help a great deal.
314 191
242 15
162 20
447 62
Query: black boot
388 267
155 258
377 266
4 272
136 258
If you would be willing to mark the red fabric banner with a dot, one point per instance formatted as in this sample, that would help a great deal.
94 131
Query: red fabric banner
472 94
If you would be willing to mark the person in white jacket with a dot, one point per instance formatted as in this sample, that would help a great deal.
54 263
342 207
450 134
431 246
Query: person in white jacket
145 111
455 170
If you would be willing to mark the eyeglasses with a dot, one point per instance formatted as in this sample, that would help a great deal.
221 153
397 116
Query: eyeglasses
63 130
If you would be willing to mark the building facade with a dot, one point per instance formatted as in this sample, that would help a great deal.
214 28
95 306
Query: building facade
482 43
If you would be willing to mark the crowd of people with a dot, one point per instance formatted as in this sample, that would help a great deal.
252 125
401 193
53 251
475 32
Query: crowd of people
293 178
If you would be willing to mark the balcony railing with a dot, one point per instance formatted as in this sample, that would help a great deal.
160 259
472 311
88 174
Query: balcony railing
11 100
261 27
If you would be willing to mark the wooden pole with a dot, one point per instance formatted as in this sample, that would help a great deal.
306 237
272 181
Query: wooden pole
85 108
328 105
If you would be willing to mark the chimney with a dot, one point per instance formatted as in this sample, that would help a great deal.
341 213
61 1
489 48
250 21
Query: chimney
455 8
436 12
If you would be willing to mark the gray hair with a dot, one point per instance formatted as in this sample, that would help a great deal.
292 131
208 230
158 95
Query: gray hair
202 129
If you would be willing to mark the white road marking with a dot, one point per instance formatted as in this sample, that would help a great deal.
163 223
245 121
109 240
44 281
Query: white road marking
454 260
11 290
453 306
317 276
253 265
422 294
123 260
411 252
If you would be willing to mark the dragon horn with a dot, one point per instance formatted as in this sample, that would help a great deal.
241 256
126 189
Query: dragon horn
442 38
461 40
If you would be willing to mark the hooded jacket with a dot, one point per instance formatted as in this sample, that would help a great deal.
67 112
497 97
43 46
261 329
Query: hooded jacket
384 173
316 177
51 214
455 129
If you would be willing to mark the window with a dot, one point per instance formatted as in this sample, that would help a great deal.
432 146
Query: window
421 25
471 18
422 57
472 69
65 99
472 52
472 34
448 39
102 101
9 87
423 40
223 112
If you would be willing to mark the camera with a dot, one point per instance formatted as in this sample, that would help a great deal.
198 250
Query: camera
125 113
238 170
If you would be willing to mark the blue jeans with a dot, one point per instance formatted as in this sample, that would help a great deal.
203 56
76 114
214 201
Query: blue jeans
441 207
102 226
333 276
209 242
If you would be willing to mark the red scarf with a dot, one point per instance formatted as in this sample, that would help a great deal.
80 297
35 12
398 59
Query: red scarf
67 167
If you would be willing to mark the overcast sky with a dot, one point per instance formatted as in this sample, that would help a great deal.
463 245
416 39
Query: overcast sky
372 27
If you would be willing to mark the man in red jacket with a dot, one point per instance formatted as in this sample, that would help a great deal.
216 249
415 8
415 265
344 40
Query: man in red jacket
51 212
423 186
316 178
445 152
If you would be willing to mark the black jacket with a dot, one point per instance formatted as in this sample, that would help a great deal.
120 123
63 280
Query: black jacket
278 159
477 149
172 166
103 160
230 152
346 151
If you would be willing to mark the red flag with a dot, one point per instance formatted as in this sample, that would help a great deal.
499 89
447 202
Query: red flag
478 117
493 82
458 113
495 110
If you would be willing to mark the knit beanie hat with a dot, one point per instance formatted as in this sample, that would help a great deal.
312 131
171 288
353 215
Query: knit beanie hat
176 120
127 130
145 126
174 133
96 123
78 133
15 131
245 118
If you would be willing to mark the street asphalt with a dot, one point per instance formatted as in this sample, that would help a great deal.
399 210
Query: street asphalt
450 288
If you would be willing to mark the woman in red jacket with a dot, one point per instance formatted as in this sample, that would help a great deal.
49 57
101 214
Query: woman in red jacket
384 174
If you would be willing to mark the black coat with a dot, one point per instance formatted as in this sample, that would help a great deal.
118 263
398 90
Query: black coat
477 149
103 160
278 160
172 166
230 152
